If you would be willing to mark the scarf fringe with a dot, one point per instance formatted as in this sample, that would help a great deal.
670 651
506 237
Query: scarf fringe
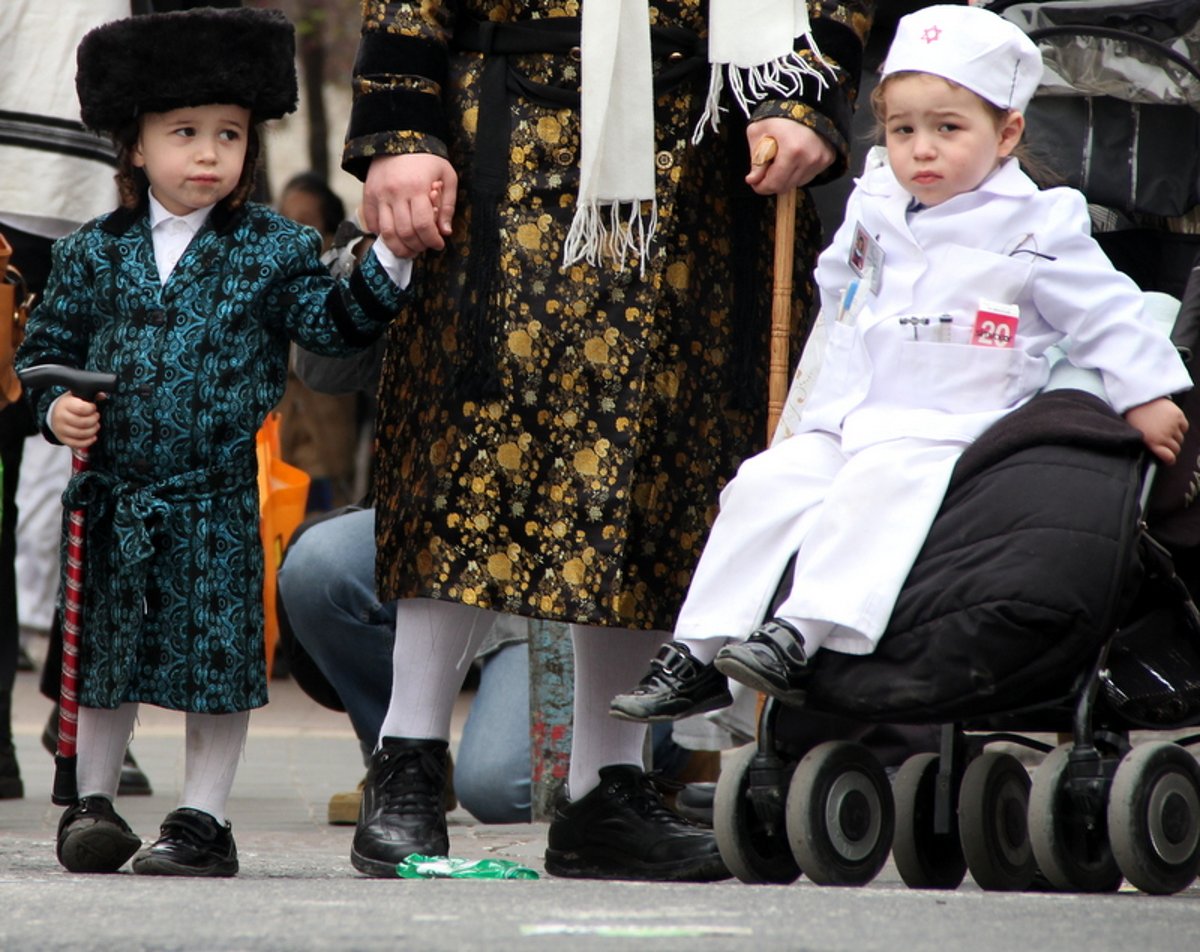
784 77
611 229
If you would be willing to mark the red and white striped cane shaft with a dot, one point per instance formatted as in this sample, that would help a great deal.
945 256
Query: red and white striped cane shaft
68 719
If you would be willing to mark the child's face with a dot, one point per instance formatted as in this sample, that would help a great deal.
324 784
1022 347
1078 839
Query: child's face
193 156
943 140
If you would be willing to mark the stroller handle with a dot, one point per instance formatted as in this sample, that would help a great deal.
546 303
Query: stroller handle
82 383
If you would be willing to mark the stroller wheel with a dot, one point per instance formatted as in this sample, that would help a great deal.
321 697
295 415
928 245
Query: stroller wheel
1071 848
992 825
840 815
1154 817
755 850
924 858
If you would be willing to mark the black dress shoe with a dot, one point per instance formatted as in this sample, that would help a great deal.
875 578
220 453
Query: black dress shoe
190 843
677 685
11 785
92 838
133 781
402 806
771 660
695 802
622 830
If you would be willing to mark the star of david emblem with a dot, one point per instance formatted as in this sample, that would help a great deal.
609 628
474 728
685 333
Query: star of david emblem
932 34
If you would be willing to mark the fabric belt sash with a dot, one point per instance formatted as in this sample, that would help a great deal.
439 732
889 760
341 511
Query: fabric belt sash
135 510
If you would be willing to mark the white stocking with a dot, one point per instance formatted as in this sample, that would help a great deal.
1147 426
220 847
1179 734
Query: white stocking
608 661
103 736
436 642
214 744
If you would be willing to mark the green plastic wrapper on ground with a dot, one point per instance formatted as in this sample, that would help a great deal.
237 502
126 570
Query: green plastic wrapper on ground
416 866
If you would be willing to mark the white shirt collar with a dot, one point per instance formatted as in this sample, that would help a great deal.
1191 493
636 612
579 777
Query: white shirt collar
171 234
1007 179
193 220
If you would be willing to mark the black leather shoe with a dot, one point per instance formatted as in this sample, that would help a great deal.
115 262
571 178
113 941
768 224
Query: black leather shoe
133 782
190 843
11 785
402 807
677 685
622 830
771 660
695 802
92 838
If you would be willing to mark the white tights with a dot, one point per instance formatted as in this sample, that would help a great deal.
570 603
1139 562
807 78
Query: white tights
214 742
607 662
436 642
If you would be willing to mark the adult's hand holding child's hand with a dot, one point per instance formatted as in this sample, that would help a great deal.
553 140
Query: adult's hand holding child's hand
408 201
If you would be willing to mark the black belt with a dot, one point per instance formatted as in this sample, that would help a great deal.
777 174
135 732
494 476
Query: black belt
683 53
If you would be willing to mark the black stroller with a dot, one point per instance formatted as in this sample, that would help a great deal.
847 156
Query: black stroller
1052 595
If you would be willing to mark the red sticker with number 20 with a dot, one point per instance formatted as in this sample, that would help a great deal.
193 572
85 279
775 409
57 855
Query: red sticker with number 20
995 325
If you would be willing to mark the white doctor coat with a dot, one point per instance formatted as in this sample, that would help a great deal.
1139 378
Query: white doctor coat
894 404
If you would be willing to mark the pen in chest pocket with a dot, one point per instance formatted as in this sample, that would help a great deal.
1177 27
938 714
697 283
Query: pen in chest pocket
854 298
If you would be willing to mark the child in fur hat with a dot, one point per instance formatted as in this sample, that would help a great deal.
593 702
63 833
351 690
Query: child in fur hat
189 294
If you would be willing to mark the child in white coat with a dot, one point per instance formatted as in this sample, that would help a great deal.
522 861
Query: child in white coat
950 278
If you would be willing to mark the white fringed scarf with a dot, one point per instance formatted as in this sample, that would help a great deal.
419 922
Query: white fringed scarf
750 46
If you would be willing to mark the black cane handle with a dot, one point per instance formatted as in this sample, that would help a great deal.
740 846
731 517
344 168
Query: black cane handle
82 383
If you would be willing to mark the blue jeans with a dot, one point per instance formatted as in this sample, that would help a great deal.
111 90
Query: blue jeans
328 585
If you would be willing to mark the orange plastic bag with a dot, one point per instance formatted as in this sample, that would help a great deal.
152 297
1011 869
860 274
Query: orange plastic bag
15 305
282 501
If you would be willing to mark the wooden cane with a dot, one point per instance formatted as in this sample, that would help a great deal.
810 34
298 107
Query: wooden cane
781 308
781 290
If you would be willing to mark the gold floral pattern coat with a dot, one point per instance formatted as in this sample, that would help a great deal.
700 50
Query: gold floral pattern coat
583 487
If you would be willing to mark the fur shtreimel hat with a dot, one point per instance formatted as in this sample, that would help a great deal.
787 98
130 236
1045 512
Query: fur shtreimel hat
164 61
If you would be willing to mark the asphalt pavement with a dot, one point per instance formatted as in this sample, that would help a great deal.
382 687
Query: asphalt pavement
297 889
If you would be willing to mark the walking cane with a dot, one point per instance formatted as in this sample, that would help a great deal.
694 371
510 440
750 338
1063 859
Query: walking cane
86 384
781 290
781 308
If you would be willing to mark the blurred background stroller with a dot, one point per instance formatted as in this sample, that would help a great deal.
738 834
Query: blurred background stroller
1055 591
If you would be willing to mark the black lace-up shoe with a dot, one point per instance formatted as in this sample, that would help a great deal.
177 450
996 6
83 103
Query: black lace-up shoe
771 660
190 843
92 838
677 685
133 782
622 830
11 785
695 802
402 807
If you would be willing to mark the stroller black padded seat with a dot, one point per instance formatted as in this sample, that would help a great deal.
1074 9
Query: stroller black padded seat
1027 570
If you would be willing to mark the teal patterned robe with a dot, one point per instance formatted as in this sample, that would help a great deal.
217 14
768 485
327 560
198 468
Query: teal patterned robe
173 592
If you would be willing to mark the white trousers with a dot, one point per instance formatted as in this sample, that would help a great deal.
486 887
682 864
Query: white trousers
857 520
45 471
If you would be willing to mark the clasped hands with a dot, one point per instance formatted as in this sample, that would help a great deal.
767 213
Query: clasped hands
408 200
